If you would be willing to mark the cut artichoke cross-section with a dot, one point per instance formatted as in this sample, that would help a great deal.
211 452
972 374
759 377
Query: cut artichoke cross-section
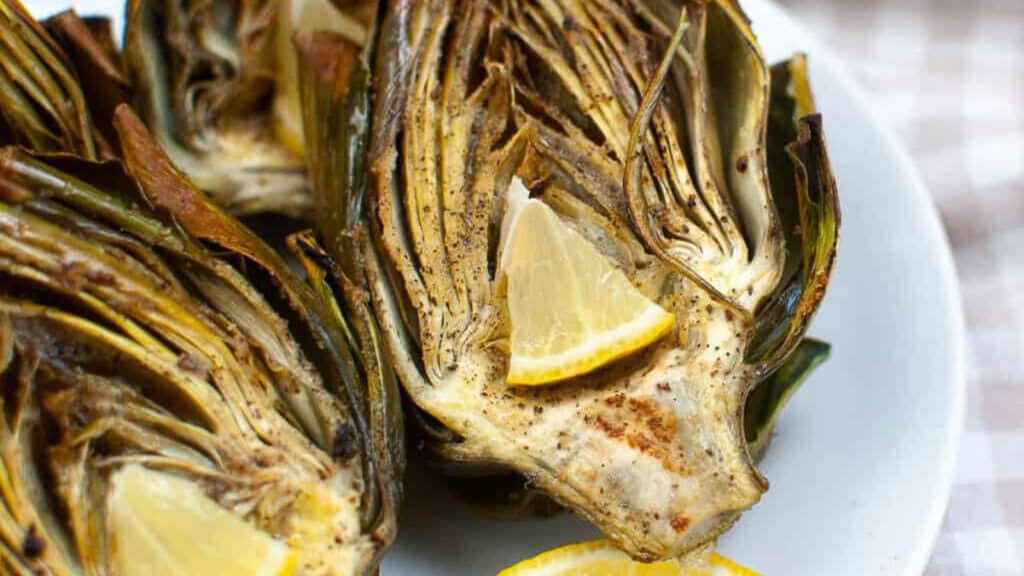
643 127
142 328
126 341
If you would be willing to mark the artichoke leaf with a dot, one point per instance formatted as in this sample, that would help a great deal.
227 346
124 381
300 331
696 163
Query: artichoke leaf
42 106
334 79
805 191
60 83
90 46
770 396
334 84
384 407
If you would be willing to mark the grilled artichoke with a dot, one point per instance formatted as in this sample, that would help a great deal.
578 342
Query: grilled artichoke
215 81
655 131
142 326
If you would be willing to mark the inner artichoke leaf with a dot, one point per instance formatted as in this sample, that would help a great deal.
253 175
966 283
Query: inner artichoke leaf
42 105
739 82
804 189
93 51
770 396
717 80
296 18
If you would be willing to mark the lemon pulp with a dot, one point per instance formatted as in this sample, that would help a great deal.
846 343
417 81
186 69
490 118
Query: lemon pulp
571 310
164 525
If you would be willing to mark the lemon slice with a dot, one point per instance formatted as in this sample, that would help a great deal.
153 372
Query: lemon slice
601 558
296 16
162 525
570 309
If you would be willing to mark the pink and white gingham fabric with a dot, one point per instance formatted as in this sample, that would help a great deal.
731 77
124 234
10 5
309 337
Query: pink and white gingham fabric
948 76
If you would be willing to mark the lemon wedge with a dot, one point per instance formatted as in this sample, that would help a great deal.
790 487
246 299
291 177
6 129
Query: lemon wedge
296 16
163 525
601 558
571 310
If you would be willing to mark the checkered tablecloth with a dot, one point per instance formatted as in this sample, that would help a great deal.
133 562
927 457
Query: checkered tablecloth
948 76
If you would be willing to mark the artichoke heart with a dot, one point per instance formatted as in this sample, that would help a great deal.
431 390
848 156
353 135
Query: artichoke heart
143 329
655 131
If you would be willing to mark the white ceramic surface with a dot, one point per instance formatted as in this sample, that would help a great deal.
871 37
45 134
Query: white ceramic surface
862 465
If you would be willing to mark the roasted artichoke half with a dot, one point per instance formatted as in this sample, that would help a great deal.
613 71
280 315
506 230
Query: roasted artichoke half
216 82
141 326
655 131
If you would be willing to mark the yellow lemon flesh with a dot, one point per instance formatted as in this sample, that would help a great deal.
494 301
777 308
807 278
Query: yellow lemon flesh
601 558
296 16
163 525
571 310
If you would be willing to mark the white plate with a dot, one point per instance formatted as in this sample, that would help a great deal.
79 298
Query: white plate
862 466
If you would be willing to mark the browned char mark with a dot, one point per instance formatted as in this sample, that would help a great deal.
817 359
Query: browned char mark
643 424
